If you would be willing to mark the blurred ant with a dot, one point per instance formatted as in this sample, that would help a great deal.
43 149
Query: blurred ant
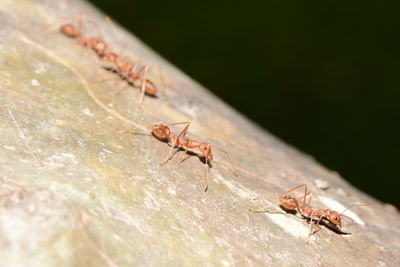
128 72
314 216
99 45
163 133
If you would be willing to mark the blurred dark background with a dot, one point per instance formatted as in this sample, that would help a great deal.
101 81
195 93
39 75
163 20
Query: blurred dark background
324 77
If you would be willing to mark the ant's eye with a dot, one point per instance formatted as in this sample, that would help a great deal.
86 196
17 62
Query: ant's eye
335 218
205 148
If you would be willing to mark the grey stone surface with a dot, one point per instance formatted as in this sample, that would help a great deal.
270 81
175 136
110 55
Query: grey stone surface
74 192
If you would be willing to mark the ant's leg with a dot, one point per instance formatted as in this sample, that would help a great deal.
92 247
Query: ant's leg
185 129
160 74
305 191
183 122
299 186
312 226
206 182
143 89
113 70
81 39
319 220
309 199
305 195
183 155
168 156
140 68
318 229
312 231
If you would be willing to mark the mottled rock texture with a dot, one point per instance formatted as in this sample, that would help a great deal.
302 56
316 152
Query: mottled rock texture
75 192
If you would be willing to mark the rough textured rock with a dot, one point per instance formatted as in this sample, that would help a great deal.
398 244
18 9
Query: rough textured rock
74 192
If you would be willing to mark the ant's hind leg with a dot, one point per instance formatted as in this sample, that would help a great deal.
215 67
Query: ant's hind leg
305 191
312 231
143 88
185 129
160 74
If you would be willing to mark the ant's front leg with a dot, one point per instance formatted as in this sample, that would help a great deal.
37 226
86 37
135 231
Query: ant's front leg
206 182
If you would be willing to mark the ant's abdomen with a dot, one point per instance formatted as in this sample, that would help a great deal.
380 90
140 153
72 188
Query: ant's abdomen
161 132
150 88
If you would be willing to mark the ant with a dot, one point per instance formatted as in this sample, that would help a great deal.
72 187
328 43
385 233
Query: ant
100 47
315 216
129 73
163 133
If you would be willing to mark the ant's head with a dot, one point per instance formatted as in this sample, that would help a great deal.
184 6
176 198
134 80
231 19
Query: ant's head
69 30
205 149
335 218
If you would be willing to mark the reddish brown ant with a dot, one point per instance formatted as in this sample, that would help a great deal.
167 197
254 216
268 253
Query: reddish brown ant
97 44
128 72
315 216
163 133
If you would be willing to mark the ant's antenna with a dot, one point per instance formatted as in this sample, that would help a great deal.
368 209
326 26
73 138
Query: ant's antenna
229 159
133 130
354 205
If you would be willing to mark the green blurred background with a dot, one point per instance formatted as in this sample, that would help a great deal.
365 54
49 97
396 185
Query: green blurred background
324 77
